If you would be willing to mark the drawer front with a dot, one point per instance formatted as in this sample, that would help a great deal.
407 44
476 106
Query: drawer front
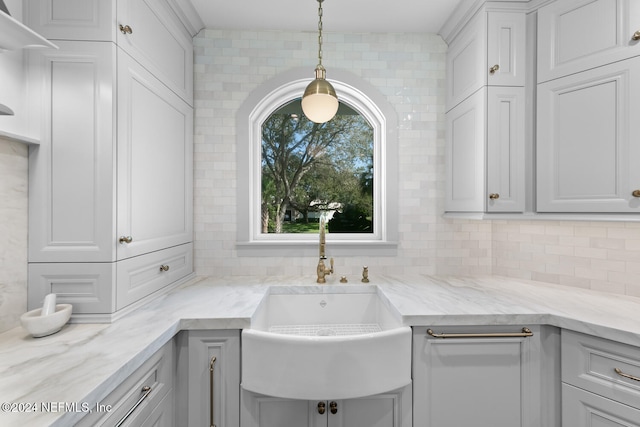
590 363
87 286
156 373
141 276
581 408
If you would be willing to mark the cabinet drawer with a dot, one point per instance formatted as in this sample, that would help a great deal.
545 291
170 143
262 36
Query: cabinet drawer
590 363
156 373
581 408
140 276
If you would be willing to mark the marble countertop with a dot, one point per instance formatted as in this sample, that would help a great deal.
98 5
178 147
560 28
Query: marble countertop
84 362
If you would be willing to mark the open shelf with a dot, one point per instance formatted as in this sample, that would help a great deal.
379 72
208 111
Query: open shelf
15 35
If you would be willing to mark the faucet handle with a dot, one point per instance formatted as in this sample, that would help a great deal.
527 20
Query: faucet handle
331 264
365 274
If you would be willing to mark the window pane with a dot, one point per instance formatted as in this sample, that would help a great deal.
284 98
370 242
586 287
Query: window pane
312 170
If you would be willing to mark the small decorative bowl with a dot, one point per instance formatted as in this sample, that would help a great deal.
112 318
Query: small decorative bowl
41 326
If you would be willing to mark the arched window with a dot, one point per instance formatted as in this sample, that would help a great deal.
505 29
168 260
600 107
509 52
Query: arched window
288 168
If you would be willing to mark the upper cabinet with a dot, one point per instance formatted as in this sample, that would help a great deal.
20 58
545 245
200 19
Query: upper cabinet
147 30
587 105
577 35
486 114
540 107
488 51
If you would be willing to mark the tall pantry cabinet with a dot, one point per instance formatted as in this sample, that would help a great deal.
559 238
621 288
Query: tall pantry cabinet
110 215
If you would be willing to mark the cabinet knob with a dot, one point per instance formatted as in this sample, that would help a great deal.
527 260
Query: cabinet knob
494 196
493 69
636 35
321 408
333 407
125 29
635 193
125 239
164 267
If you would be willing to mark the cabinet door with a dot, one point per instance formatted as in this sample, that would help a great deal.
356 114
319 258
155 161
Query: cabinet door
473 381
266 411
581 408
467 61
159 42
203 346
575 35
86 20
587 133
466 155
506 48
505 149
155 156
382 410
72 171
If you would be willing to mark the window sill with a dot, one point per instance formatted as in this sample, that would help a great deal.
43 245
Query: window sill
333 249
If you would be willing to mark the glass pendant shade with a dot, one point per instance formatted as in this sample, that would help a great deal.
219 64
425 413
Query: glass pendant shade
320 102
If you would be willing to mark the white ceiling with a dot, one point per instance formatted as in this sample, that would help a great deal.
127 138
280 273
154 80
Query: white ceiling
423 16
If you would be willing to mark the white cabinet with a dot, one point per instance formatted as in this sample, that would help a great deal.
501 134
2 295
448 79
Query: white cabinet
111 184
587 133
486 152
150 33
576 35
600 382
145 398
484 380
486 115
391 409
208 378
155 157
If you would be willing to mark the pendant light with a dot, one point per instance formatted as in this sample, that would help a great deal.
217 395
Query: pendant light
320 102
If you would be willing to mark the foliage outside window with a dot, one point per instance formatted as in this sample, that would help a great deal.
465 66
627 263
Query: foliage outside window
311 171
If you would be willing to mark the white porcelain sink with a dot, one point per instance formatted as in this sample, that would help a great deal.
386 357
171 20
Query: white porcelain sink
329 342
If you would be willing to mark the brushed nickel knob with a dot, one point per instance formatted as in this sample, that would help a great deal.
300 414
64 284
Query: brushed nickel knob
125 239
321 408
636 35
493 69
164 267
125 29
494 196
635 193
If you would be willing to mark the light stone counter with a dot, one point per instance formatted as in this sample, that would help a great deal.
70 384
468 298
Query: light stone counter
84 362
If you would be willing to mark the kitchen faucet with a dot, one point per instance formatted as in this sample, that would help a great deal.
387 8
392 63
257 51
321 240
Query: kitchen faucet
322 269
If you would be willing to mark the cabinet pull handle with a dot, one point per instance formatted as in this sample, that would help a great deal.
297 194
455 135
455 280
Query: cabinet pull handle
125 239
125 29
333 407
636 35
146 390
493 69
164 267
494 196
526 332
212 364
321 408
635 193
622 374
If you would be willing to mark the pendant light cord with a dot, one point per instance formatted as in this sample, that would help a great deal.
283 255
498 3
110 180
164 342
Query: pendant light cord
320 32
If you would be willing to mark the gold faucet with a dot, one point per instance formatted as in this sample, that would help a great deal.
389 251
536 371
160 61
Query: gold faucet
322 269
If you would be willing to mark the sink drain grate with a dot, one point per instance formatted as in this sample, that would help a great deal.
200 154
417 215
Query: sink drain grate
326 330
